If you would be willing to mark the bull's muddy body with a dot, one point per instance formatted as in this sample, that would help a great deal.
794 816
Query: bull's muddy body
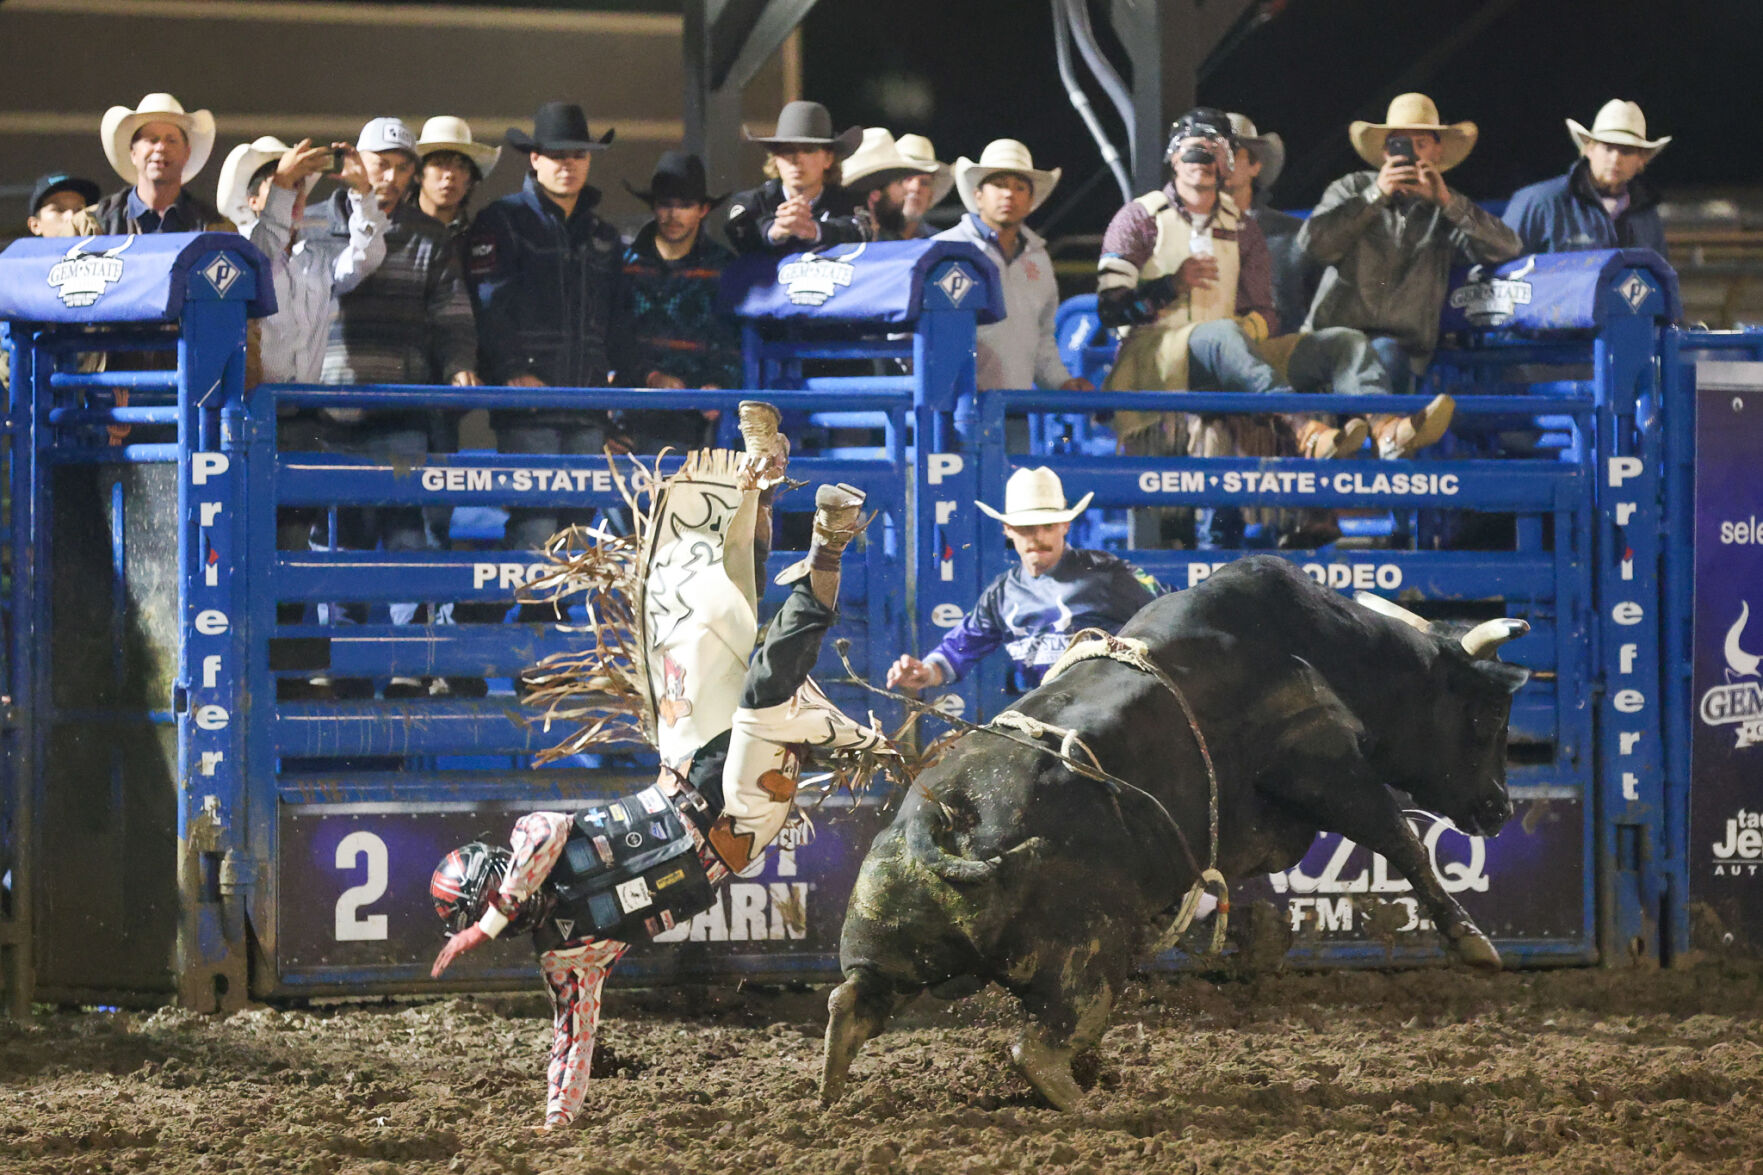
1004 865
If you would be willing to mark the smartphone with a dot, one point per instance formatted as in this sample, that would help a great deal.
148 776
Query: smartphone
1399 148
334 162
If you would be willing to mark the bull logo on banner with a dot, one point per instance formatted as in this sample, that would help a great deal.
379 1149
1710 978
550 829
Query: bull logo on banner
1739 702
815 278
1492 301
81 278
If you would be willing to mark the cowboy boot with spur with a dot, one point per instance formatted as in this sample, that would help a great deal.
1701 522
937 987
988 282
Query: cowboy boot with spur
1319 440
1400 437
836 509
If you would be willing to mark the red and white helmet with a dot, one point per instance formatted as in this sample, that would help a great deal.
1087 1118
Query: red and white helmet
464 880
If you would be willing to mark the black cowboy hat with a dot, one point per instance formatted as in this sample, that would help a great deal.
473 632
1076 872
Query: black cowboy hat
558 126
810 123
679 175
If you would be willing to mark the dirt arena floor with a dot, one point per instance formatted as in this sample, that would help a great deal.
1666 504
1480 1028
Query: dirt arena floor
1431 1071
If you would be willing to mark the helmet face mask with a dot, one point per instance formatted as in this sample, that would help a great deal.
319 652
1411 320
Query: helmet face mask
1205 129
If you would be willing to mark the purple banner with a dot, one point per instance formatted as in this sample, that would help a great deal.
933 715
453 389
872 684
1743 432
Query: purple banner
1726 746
354 907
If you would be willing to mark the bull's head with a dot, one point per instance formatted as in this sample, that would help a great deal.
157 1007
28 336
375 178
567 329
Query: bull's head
1458 767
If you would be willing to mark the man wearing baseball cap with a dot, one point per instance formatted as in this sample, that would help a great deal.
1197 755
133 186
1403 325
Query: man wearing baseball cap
1603 202
157 147
57 201
408 322
1033 609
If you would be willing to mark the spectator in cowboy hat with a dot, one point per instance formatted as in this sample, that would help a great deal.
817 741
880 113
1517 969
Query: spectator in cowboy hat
673 272
1034 608
876 175
923 191
552 307
58 206
157 147
263 189
1259 160
453 164
1389 237
802 204
1603 202
1000 190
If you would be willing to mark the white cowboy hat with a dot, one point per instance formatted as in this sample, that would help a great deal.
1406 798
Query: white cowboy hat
1619 123
878 161
921 150
447 132
1269 149
1003 155
1034 497
120 123
241 164
1413 112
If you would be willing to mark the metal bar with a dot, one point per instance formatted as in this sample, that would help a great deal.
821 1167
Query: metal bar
145 454
150 381
859 384
877 348
131 415
1212 403
425 727
466 399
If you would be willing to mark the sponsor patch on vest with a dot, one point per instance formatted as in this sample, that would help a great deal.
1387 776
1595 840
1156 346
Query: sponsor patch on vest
677 875
633 895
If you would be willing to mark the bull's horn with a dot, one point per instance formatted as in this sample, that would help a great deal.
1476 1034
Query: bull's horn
1485 638
1394 611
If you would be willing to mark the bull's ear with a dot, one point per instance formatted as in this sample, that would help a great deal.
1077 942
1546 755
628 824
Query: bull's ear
1510 678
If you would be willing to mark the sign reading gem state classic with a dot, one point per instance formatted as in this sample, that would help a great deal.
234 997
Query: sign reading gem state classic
1726 745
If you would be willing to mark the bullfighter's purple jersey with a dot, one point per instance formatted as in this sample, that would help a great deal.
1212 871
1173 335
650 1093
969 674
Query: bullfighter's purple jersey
1034 616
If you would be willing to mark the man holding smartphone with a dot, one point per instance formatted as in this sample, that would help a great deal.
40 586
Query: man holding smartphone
1389 237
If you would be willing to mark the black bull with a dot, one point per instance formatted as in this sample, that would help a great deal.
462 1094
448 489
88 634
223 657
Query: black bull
1005 865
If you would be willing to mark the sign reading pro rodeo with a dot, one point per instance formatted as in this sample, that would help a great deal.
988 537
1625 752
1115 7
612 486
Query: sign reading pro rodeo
1726 793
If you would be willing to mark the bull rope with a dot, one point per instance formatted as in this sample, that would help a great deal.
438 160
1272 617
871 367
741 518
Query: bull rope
1134 654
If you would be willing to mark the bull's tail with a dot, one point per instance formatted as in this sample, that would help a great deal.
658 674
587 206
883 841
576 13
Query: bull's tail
922 844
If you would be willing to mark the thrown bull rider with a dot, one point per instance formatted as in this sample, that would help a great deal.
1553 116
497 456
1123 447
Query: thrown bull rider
731 737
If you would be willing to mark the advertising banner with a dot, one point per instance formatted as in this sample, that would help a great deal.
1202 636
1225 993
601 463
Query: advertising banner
1726 746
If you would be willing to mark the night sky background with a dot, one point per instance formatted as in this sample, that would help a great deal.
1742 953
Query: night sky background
968 71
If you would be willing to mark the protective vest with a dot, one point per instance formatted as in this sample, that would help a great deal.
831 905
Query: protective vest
629 870
1154 356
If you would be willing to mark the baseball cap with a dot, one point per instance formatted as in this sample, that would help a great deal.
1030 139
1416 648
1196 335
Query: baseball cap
60 181
386 134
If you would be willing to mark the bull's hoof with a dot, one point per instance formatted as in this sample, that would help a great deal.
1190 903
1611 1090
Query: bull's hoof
1475 949
1048 1069
846 1031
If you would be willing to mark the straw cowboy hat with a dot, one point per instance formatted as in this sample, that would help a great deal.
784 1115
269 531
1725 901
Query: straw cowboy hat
1620 124
241 164
447 132
809 124
1269 149
1413 112
877 162
1034 497
1003 155
920 150
120 123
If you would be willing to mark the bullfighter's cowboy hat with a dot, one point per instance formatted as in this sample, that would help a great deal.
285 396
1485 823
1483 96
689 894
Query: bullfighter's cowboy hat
1619 123
1034 497
1269 149
809 124
120 123
678 175
920 150
1003 155
1414 112
241 164
878 162
558 126
448 132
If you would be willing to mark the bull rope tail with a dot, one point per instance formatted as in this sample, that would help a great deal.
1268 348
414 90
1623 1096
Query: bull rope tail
1014 720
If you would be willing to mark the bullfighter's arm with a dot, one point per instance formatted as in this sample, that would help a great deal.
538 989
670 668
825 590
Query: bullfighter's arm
979 634
538 841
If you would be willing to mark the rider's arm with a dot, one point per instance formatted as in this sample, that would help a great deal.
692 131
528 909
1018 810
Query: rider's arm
537 842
